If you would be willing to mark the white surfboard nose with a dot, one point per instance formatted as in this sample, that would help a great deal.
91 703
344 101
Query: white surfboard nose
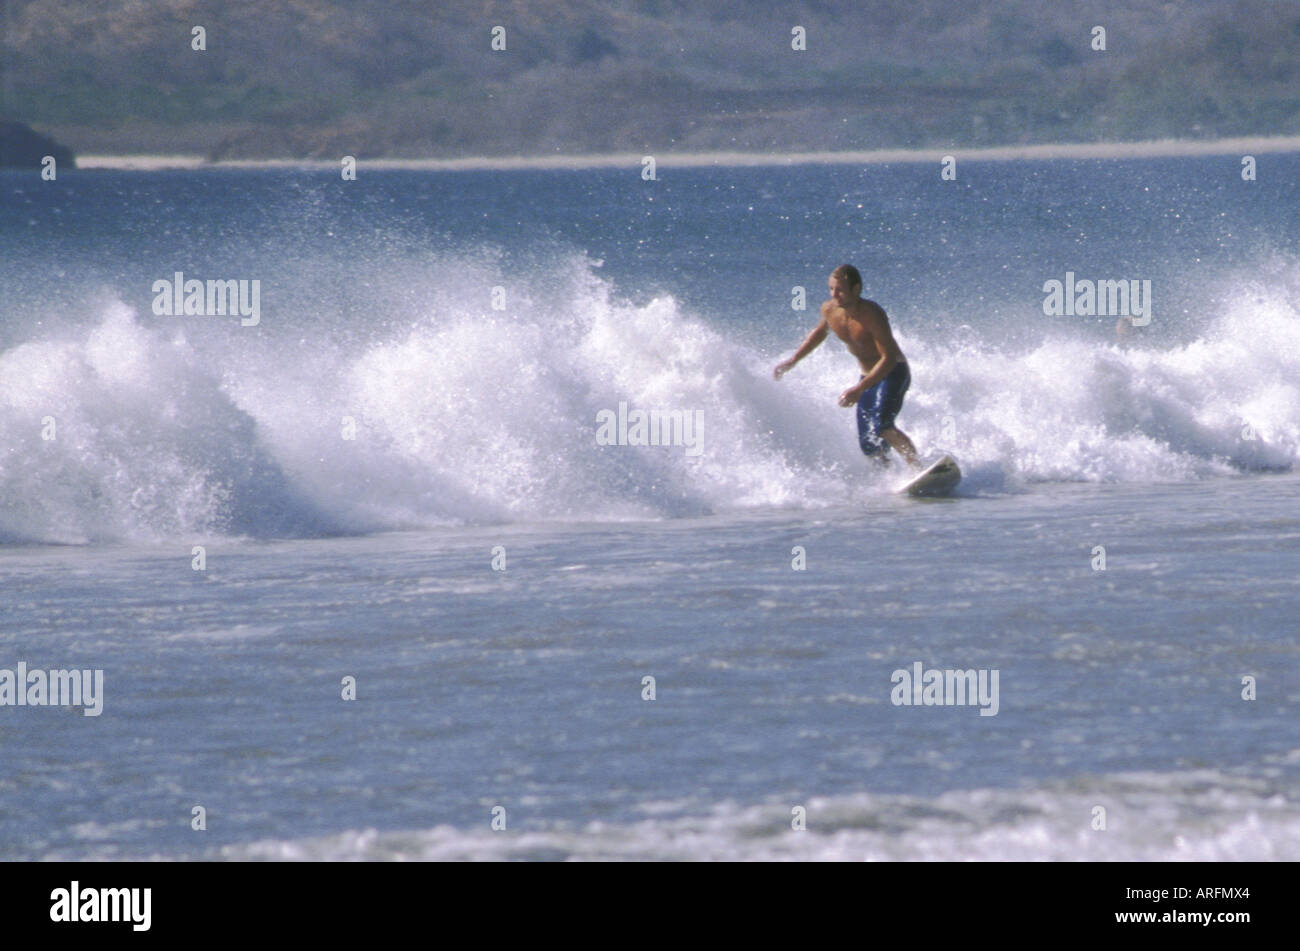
939 478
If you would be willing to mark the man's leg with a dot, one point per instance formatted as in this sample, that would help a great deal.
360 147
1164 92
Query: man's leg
869 441
895 386
898 439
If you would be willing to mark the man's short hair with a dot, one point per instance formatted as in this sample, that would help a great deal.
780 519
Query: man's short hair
847 272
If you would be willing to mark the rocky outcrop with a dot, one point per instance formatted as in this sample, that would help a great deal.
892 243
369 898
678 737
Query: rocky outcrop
21 146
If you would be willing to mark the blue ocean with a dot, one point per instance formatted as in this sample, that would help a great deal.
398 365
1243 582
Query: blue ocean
365 581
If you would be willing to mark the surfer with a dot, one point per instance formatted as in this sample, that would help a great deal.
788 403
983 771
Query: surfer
864 328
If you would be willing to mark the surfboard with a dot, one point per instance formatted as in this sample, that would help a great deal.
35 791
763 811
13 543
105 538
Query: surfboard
939 478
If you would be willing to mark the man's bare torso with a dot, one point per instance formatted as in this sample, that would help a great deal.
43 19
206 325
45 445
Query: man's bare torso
851 323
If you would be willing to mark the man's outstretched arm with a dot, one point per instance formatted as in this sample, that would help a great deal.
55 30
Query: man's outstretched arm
810 344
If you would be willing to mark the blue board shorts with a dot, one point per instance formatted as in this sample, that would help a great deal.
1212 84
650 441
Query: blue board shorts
878 406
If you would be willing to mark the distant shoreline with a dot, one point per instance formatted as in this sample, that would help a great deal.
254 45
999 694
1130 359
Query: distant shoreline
1100 150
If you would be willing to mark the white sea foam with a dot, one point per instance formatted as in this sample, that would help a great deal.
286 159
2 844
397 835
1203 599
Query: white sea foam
1196 816
467 414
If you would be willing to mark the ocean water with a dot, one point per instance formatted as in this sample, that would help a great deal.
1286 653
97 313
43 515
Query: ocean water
392 482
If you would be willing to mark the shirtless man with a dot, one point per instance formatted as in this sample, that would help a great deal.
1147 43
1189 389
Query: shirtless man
864 328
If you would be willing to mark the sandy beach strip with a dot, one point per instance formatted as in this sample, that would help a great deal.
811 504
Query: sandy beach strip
1165 148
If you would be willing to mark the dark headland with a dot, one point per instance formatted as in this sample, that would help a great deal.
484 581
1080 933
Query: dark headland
21 146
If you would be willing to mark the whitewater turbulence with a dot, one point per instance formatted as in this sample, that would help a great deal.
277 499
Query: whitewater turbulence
446 411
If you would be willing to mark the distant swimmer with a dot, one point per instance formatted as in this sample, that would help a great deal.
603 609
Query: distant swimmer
864 328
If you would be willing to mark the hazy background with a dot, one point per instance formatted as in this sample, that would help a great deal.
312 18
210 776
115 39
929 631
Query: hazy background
410 78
